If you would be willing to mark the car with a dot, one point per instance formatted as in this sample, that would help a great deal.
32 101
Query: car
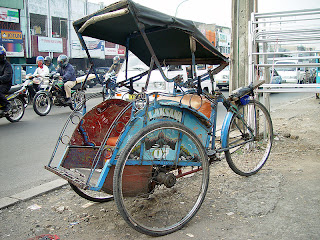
222 78
290 74
156 81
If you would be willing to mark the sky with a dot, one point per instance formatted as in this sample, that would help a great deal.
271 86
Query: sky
217 11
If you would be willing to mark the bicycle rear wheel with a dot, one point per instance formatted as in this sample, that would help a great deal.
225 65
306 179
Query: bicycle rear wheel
252 136
161 178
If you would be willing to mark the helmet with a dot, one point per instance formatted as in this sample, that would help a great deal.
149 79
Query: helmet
3 54
63 60
40 58
48 60
3 51
116 59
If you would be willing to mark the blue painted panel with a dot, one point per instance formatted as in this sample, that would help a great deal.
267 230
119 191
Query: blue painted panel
31 69
16 79
158 113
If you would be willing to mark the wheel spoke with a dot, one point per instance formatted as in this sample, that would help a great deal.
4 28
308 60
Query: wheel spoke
170 165
249 157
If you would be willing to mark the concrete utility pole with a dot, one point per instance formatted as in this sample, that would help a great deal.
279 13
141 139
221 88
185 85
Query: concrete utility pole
241 13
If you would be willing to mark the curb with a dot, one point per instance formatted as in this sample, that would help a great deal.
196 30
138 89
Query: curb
44 188
31 193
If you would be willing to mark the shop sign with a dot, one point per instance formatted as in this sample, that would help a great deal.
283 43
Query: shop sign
10 36
47 44
95 45
223 40
114 51
9 15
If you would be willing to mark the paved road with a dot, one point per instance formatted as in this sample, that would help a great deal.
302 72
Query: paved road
26 146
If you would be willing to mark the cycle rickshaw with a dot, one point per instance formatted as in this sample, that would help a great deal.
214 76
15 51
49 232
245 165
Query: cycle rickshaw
152 154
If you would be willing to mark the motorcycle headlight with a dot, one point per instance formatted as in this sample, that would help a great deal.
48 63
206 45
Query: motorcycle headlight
160 85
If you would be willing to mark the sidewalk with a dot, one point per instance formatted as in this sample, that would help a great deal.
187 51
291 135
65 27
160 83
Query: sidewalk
282 201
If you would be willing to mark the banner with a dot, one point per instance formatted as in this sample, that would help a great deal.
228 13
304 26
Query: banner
46 44
14 49
9 15
223 40
10 36
95 45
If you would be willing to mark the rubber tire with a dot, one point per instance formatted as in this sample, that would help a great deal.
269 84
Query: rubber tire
117 185
84 195
20 103
35 105
234 166
78 108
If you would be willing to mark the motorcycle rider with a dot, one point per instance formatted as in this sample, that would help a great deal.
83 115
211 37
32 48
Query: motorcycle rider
67 75
5 79
115 66
49 64
41 72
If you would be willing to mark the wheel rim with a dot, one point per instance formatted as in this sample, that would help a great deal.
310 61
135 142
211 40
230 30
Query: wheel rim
16 110
172 198
42 103
78 100
249 158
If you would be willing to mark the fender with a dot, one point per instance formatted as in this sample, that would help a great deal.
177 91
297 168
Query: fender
225 128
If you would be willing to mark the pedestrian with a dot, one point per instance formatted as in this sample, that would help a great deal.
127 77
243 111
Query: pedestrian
5 79
49 64
67 75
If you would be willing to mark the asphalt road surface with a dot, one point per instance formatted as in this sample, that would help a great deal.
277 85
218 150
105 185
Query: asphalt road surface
26 146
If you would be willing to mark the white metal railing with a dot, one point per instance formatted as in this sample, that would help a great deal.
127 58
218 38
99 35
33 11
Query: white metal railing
298 33
293 88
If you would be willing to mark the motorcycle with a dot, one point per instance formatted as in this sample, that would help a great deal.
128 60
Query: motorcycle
17 98
54 94
109 81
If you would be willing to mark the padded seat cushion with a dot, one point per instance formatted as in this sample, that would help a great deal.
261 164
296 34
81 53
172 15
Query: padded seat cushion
195 101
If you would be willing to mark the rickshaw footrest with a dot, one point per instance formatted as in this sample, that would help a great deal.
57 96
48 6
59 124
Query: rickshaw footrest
69 176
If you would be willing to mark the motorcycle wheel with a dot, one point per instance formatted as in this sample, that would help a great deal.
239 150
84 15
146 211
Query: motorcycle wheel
16 111
42 103
78 99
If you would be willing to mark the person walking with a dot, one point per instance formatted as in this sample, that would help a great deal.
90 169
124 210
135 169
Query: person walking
6 73
67 75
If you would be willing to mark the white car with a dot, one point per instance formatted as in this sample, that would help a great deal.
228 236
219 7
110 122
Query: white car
290 74
222 78
156 82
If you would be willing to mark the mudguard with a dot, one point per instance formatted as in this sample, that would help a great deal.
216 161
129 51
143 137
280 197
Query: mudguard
225 128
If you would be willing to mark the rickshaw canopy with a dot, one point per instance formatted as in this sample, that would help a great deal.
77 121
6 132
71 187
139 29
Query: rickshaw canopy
123 23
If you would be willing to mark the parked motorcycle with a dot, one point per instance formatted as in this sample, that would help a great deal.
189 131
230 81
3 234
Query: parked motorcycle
16 97
54 94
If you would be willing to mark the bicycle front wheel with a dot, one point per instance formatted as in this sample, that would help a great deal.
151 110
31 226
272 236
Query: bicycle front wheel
161 178
250 137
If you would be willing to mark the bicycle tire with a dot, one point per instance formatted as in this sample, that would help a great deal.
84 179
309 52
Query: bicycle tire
169 205
248 158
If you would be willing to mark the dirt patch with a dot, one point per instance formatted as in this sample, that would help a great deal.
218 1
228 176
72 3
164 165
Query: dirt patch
280 202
